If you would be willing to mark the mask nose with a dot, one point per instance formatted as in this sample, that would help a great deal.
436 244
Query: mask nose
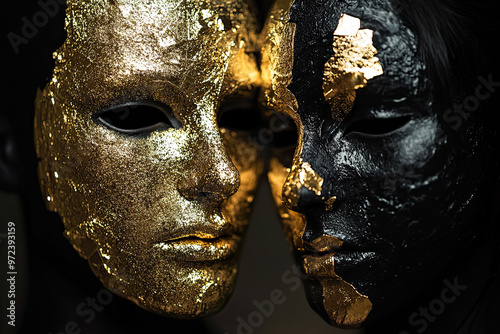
302 188
211 176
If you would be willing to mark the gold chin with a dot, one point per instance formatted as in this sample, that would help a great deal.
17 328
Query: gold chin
345 306
131 205
353 64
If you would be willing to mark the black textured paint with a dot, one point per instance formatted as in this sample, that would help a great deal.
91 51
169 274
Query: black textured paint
409 188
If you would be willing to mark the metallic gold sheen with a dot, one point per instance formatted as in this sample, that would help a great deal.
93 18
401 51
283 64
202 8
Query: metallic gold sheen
159 218
330 202
348 26
277 40
277 59
351 66
345 306
293 222
301 175
324 243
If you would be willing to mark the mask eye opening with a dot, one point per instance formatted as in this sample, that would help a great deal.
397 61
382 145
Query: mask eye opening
377 126
135 118
240 114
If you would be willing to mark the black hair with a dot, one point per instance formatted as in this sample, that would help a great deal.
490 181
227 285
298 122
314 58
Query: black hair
457 41
455 38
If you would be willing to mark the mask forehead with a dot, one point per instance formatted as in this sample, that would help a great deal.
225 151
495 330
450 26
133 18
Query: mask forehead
350 68
194 46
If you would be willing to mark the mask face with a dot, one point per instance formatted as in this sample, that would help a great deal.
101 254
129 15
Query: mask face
381 190
151 191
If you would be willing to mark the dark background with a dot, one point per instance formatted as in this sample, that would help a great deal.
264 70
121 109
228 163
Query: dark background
266 255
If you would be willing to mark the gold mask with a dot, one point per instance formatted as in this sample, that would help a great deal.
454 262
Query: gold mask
158 216
352 65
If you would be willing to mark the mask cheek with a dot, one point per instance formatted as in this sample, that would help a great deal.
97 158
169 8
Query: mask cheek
293 222
247 158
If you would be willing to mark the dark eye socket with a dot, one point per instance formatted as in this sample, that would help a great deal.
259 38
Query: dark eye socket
239 114
138 117
284 138
393 104
284 131
377 126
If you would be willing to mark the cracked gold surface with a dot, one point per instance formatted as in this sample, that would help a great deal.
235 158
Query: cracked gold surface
293 222
137 207
277 39
351 66
277 60
330 203
301 175
345 306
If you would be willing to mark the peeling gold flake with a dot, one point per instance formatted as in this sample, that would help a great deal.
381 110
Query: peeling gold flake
325 243
301 175
329 203
345 306
348 26
277 59
293 222
351 66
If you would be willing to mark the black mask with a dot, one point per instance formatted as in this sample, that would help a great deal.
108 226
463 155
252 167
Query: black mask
387 190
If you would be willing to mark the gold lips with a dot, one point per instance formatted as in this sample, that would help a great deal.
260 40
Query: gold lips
192 249
195 235
203 229
346 307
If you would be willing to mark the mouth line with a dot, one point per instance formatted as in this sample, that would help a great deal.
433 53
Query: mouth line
307 252
205 230
326 265
194 248
207 237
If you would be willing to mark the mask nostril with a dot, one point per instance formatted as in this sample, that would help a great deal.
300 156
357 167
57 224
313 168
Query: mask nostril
211 196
